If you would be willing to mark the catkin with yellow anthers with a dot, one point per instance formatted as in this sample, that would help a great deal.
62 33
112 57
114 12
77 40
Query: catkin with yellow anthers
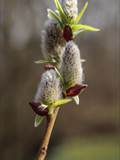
70 7
49 88
71 69
52 39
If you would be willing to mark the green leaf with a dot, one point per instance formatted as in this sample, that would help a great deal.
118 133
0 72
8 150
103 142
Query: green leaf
41 61
60 102
38 120
78 18
60 76
84 27
76 99
59 8
57 12
76 33
54 15
72 21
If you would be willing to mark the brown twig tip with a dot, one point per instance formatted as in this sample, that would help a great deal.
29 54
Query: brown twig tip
75 90
39 108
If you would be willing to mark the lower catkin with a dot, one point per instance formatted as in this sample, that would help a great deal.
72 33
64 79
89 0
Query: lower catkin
49 88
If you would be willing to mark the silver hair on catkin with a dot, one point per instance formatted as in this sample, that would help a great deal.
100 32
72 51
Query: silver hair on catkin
49 88
52 39
71 69
70 7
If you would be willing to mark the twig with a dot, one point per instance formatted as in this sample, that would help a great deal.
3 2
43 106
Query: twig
50 124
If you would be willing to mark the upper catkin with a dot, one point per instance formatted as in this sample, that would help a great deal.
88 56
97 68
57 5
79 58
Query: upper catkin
70 7
71 69
52 39
49 88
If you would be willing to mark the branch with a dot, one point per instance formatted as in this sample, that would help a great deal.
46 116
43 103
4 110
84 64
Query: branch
50 124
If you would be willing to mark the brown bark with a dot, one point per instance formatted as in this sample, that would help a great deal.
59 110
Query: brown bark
50 124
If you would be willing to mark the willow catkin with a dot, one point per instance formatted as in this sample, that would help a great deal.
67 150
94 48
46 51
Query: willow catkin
72 70
49 88
70 7
52 39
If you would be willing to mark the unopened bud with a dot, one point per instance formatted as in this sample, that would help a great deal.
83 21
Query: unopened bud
67 33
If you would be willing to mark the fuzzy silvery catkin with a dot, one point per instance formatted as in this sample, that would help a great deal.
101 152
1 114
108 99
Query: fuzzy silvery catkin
52 39
70 7
71 69
49 88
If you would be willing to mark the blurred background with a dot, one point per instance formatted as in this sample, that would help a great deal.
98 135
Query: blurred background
88 132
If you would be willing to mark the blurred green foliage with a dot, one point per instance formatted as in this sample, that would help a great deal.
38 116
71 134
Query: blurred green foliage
101 148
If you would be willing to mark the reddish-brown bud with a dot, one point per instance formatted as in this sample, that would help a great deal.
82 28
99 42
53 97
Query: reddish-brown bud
67 33
49 66
75 90
39 108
